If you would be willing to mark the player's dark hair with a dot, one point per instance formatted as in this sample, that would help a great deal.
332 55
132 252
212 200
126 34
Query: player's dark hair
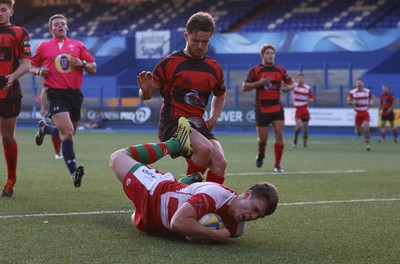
55 17
267 191
300 74
265 47
200 21
9 2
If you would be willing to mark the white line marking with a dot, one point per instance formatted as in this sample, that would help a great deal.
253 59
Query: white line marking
341 201
296 172
66 214
131 211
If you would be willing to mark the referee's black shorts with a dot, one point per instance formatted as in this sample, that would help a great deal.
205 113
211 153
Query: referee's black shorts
65 100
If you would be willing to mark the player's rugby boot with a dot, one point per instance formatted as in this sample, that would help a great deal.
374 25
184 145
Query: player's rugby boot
77 176
40 134
259 161
182 135
8 190
194 177
278 169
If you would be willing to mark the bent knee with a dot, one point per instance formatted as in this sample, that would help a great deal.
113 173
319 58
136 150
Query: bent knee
113 161
222 163
219 161
206 149
7 140
67 134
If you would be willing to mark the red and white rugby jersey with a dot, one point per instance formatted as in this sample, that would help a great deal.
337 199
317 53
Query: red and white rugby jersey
301 94
361 98
205 197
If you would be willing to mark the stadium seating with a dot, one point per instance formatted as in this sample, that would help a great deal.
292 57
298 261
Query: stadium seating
293 15
101 20
110 23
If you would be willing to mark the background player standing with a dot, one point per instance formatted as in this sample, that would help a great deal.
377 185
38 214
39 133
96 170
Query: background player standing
301 95
267 79
14 63
387 104
361 98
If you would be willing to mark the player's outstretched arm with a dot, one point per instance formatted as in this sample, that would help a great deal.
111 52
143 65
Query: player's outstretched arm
185 222
217 105
287 87
349 100
147 88
43 101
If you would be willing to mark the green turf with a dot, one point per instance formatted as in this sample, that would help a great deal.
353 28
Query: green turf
336 170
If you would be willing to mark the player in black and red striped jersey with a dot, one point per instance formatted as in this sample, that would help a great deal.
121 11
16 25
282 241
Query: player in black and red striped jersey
267 79
186 79
386 106
15 54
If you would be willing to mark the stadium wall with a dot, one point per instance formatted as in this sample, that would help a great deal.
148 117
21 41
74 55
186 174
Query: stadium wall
332 50
120 59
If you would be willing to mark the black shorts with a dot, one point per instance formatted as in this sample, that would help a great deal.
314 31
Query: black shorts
10 107
168 126
264 120
389 117
65 100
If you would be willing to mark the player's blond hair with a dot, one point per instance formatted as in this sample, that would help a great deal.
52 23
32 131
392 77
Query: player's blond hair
56 16
9 2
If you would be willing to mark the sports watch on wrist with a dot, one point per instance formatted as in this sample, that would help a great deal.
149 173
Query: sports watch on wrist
84 63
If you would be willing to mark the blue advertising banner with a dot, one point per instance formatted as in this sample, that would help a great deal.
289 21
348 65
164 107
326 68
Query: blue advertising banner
317 41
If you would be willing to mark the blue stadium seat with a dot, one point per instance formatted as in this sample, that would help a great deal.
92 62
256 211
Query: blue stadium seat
111 19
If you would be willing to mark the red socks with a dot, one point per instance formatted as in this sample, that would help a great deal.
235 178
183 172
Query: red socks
278 153
11 156
192 168
261 151
56 144
212 177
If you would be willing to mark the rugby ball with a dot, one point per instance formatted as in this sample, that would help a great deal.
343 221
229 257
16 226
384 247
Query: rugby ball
212 220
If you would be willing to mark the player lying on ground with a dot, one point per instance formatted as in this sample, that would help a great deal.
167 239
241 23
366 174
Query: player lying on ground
165 206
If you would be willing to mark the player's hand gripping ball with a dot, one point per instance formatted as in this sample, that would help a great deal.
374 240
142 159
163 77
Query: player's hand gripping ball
212 220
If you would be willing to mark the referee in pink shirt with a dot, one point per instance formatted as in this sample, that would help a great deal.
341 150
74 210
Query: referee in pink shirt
61 62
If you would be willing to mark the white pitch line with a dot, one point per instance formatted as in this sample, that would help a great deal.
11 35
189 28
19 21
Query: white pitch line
131 211
66 214
341 201
296 172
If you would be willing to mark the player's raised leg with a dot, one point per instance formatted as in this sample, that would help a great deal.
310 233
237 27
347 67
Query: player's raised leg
123 160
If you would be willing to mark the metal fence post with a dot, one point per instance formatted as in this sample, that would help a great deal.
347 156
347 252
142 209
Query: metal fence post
341 96
314 103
